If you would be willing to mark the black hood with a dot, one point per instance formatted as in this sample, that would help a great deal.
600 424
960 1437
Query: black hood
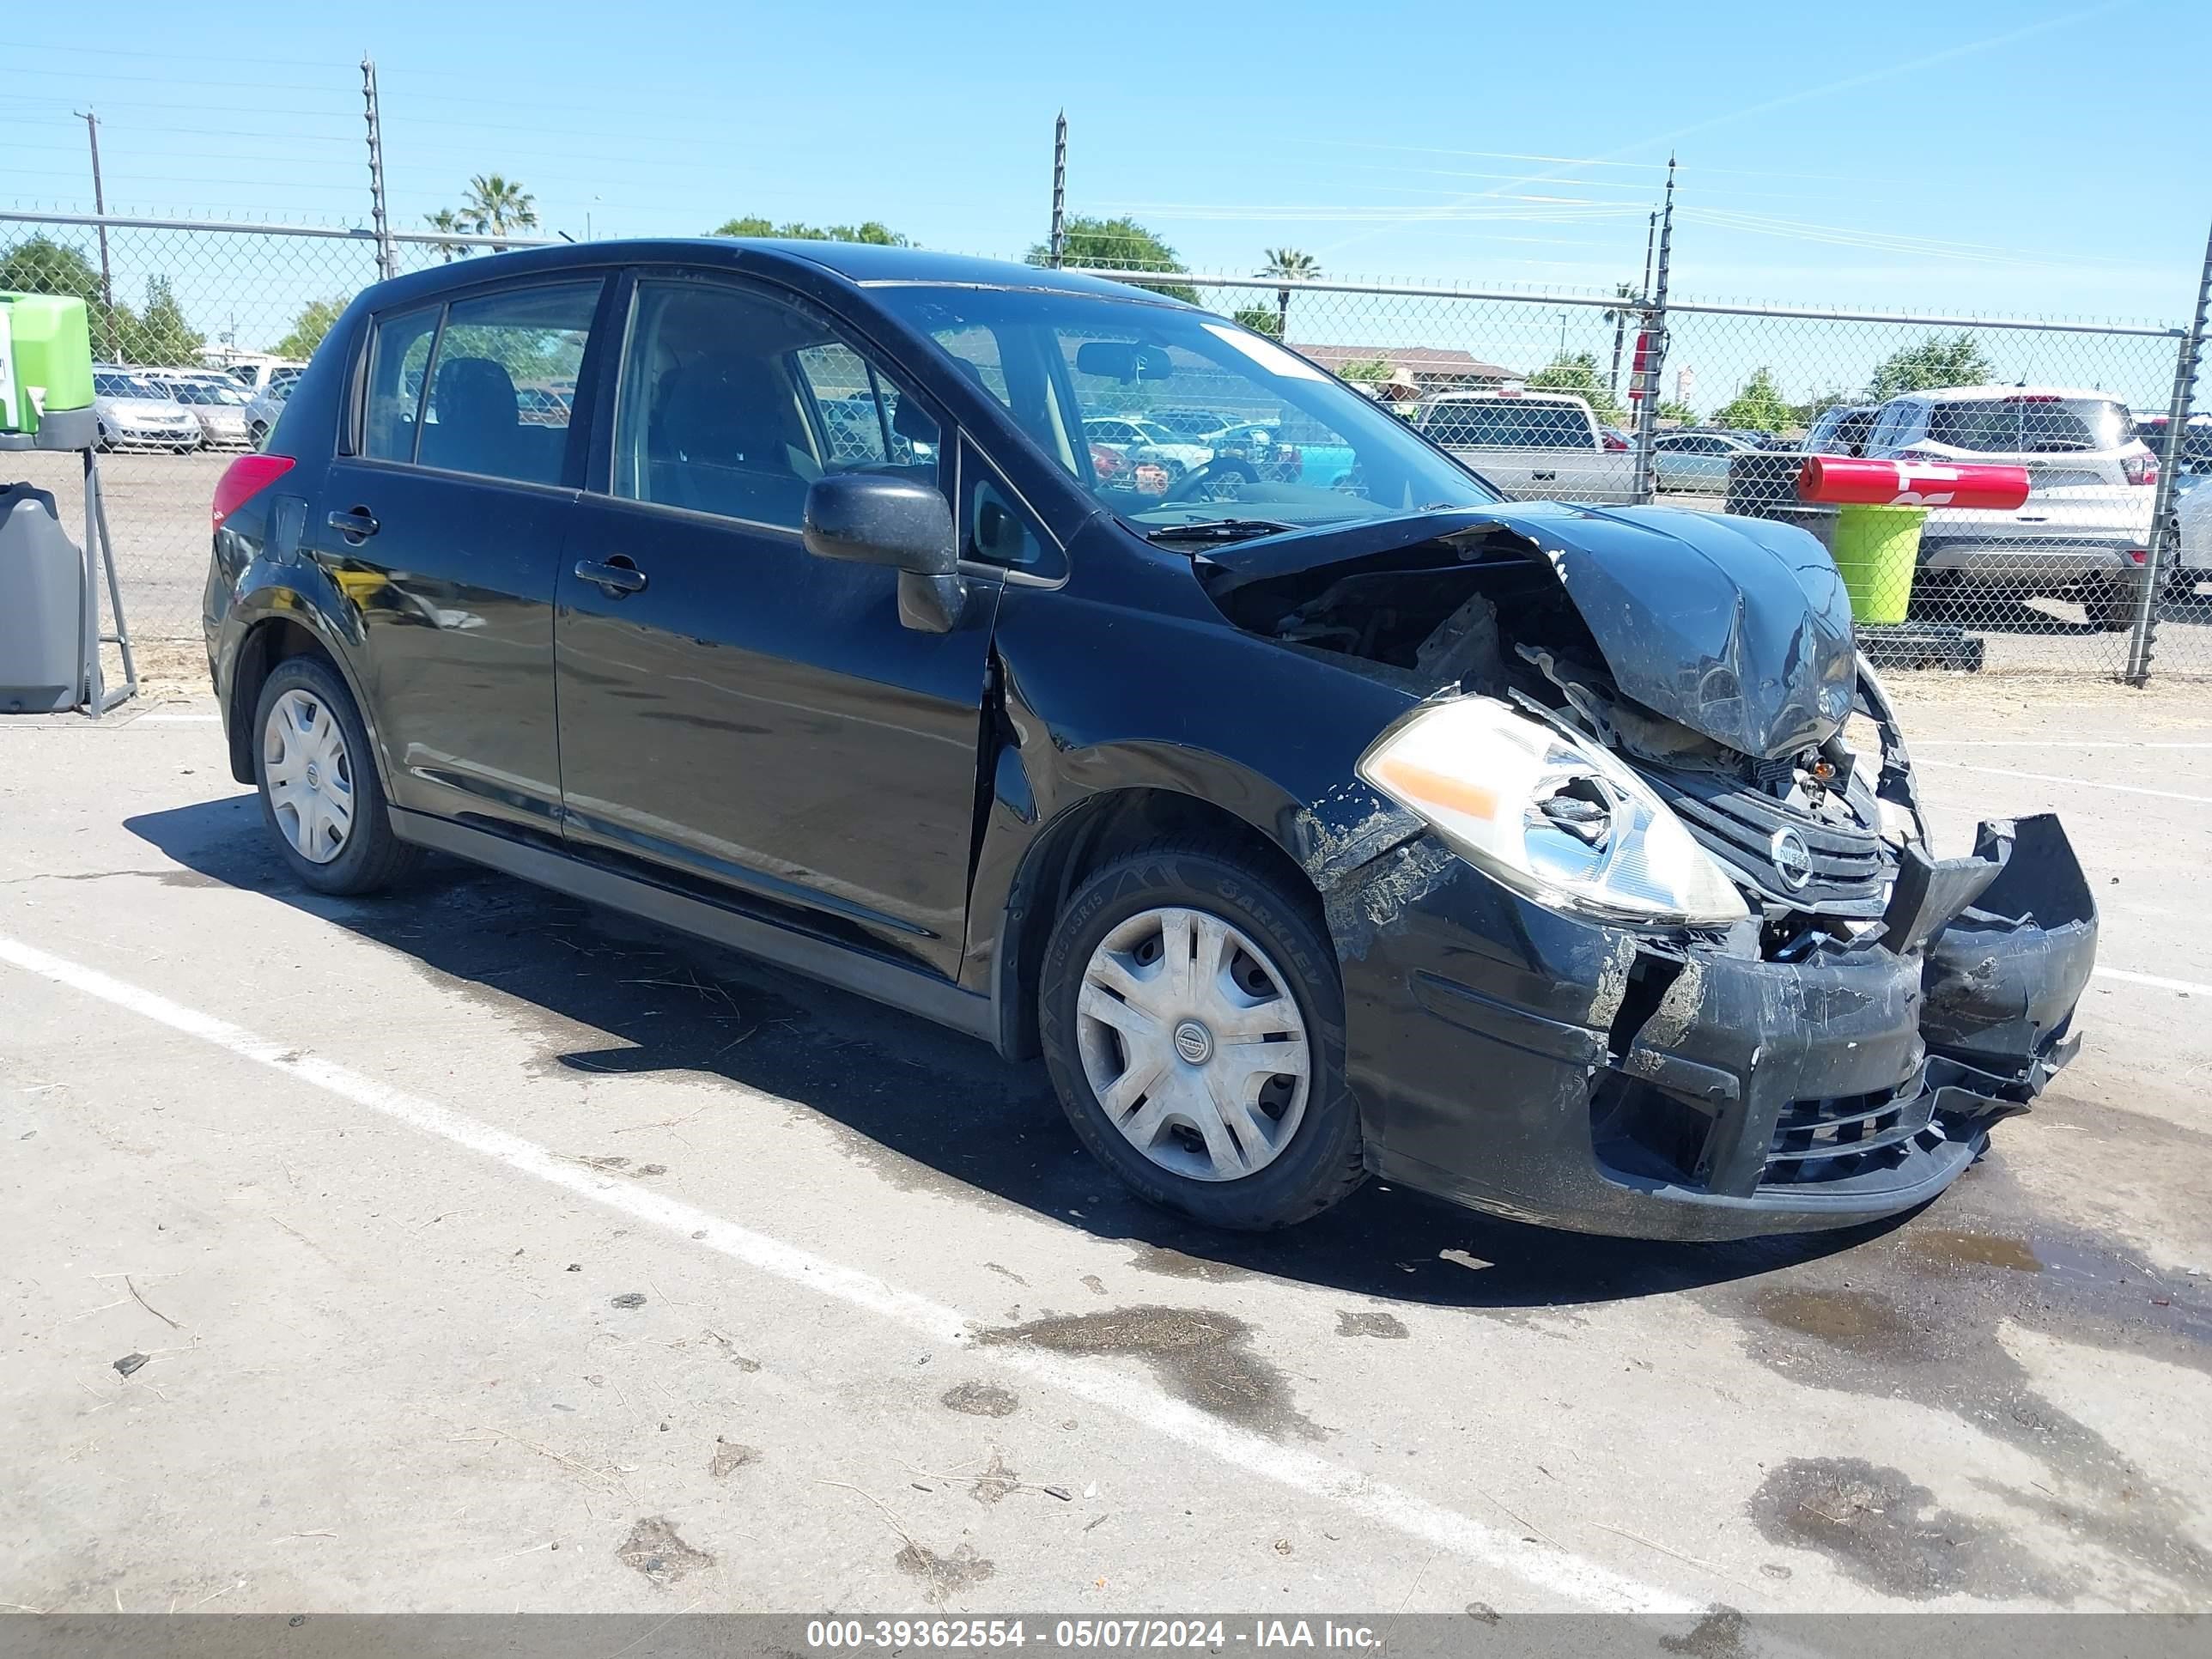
1739 628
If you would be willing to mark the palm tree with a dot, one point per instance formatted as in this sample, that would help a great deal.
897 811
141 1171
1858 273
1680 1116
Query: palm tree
450 223
496 207
1288 262
1619 316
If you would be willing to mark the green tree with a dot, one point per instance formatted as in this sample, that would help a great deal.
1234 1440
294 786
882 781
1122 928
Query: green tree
1674 409
1370 371
1935 362
1759 406
1261 319
874 232
1578 373
315 319
1288 262
450 223
39 264
1120 244
497 206
161 335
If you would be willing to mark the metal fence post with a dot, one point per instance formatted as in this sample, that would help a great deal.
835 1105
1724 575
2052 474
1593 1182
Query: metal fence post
1655 355
2177 439
1056 242
386 265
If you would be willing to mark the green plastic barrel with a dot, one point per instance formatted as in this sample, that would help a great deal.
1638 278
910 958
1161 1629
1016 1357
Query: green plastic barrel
1876 551
50 350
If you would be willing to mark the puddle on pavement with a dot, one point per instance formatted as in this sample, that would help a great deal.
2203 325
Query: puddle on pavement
1942 1247
1857 1321
1885 1531
1201 1357
1173 1264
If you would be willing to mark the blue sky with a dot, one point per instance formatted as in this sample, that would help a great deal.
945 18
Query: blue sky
2046 157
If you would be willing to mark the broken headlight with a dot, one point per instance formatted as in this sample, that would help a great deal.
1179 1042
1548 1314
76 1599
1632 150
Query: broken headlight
1556 820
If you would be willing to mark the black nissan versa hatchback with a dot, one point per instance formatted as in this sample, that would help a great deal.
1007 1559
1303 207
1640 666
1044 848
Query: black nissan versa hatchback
1562 862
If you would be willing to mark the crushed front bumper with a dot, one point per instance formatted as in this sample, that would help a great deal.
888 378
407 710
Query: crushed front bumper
1592 1078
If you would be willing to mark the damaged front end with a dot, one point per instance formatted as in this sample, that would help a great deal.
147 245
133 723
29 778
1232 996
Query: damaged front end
1640 930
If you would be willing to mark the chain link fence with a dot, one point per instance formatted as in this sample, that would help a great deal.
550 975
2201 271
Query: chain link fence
2100 570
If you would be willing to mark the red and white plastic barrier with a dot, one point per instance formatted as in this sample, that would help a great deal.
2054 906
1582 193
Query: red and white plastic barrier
1840 481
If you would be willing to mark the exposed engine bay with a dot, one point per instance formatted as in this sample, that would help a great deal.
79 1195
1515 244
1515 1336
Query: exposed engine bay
1810 826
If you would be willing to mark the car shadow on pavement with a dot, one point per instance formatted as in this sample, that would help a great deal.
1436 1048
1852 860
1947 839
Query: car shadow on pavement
924 1107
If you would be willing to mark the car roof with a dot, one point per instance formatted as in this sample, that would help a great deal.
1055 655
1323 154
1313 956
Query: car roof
861 265
1959 394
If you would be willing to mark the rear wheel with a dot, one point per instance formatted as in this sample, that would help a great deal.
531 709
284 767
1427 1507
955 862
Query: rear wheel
1193 1023
2111 605
319 793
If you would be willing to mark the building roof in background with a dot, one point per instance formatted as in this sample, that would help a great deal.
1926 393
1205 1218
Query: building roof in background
1418 360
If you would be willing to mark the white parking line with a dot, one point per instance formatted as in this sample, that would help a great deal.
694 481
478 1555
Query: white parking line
2045 743
2079 783
176 720
1561 1573
2157 982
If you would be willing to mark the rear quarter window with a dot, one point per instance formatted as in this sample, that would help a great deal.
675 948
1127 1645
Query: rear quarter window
2032 425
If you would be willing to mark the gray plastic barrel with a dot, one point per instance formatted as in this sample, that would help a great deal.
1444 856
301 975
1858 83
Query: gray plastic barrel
41 605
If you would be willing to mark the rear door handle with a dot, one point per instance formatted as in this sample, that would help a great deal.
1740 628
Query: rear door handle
355 524
616 578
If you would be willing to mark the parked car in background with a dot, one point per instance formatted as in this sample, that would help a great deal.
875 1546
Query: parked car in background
1286 451
135 413
1139 438
1842 430
1192 424
538 405
2085 529
2189 558
1533 445
1697 462
1562 864
217 401
259 377
263 409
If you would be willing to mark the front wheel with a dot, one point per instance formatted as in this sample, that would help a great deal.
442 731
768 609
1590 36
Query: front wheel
319 793
1193 1022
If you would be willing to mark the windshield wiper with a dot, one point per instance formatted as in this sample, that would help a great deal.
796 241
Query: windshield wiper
1217 530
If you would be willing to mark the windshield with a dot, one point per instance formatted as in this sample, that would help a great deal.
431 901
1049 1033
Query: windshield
1508 423
1291 448
2031 424
205 392
128 385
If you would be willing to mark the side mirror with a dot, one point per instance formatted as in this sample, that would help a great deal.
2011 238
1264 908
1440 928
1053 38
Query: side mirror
874 517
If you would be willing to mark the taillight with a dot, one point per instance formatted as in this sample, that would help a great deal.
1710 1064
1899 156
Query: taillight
244 478
2140 469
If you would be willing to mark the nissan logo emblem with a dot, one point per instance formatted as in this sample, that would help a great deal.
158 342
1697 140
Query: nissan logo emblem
1792 859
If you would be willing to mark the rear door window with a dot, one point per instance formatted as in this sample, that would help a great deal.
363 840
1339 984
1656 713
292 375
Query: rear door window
399 353
491 352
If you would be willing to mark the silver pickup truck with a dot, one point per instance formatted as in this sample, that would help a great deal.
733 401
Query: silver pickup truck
1533 445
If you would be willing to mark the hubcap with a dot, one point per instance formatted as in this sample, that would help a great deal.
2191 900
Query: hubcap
1193 1044
308 776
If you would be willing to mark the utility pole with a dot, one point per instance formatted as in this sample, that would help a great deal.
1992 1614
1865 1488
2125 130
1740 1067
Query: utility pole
1655 350
386 266
100 208
1057 243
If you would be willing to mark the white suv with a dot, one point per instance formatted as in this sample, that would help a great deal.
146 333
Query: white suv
2085 528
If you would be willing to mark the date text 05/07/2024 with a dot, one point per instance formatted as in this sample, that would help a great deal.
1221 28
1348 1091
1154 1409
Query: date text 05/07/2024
1072 1635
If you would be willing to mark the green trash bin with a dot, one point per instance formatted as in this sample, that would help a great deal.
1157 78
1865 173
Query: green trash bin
1876 551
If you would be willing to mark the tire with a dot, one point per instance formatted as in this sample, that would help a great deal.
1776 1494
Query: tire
367 857
2111 606
256 435
1317 1162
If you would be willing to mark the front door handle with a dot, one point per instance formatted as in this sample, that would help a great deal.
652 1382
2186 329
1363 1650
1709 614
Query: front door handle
616 578
355 524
